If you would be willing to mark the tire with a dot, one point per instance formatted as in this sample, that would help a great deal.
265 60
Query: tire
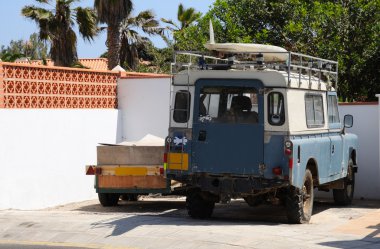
197 207
254 201
129 197
299 202
108 199
344 196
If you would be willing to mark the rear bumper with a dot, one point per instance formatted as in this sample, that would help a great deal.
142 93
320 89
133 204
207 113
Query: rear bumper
230 184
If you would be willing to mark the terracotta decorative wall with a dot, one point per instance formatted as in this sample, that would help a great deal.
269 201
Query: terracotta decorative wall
25 86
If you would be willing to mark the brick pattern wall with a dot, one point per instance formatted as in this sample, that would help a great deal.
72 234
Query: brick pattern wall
26 86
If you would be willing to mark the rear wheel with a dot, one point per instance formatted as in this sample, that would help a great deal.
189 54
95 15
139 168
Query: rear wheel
108 199
344 196
299 203
197 207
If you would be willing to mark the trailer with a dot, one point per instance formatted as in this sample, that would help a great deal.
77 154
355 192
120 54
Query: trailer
128 170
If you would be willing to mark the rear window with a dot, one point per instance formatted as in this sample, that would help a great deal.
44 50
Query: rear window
228 105
182 106
314 110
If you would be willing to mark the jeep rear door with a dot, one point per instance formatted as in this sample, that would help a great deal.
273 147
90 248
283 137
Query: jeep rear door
228 127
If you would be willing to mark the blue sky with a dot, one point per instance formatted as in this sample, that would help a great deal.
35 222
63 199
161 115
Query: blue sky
13 26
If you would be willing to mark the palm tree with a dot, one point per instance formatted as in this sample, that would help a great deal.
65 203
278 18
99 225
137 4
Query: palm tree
184 16
132 41
56 26
113 12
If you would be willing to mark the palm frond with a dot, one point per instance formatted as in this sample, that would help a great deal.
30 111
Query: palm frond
36 13
180 11
43 1
87 22
188 16
169 21
69 2
144 15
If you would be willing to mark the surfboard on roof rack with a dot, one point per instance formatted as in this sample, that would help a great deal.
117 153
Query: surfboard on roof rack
269 52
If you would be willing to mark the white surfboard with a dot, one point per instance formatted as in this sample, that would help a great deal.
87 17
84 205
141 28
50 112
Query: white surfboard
270 52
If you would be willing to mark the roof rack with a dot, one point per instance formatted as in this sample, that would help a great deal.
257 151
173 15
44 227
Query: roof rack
296 63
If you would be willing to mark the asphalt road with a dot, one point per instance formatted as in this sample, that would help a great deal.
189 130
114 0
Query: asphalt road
163 223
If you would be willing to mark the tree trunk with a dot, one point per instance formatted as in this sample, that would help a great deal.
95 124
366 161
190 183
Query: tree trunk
63 49
113 44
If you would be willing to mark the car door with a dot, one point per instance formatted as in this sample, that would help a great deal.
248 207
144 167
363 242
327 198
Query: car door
335 134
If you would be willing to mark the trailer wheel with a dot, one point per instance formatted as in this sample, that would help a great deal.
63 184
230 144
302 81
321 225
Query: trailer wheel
108 199
299 202
197 207
129 197
344 196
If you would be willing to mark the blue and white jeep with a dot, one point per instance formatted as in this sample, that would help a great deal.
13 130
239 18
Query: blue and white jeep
259 125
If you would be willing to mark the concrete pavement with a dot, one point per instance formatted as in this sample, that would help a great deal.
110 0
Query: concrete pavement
163 223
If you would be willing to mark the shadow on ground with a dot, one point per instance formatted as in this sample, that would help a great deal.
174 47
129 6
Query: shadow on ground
173 212
371 241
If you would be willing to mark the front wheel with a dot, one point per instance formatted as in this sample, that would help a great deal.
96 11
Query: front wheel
197 207
344 196
108 199
299 202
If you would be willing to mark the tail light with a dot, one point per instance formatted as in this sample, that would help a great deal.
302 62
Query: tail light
98 171
277 171
290 163
165 157
289 152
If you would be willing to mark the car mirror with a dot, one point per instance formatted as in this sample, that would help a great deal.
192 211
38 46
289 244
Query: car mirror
348 121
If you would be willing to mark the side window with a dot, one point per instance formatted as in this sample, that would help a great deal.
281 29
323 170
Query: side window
276 110
314 110
332 109
182 106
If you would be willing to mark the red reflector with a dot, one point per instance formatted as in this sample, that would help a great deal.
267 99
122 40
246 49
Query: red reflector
161 171
288 152
290 162
277 171
98 171
90 171
165 157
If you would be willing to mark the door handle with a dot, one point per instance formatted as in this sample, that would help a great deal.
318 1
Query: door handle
333 149
202 136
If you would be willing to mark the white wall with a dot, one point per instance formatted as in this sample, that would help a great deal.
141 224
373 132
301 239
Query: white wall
43 153
366 126
144 107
